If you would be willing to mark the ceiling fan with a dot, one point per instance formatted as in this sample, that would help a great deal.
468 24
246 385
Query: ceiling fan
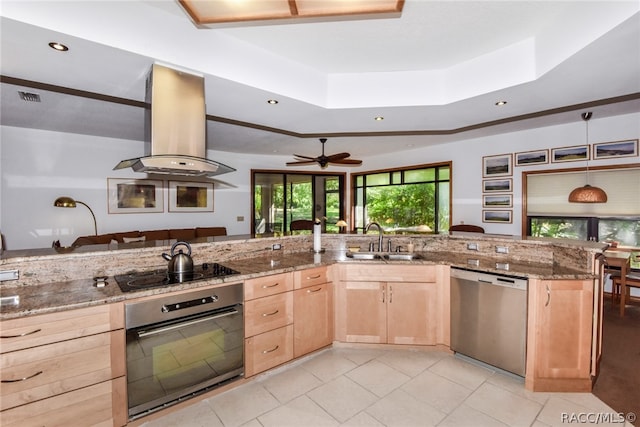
323 161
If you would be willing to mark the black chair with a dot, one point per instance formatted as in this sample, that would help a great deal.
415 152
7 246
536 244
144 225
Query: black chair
301 224
467 228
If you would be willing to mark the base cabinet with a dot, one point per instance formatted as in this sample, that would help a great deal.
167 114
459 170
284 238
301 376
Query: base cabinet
313 310
268 322
404 306
560 330
60 368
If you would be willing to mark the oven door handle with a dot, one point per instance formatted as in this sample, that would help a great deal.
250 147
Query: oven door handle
146 333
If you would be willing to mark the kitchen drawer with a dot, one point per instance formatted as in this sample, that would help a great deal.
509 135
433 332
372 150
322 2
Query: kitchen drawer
377 272
267 350
268 313
267 285
310 277
32 331
97 405
60 367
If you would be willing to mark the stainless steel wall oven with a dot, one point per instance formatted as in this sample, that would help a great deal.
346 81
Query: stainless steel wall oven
182 345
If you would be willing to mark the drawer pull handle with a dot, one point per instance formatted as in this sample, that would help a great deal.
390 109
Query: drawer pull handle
271 350
21 379
314 277
548 296
270 314
312 291
270 286
21 335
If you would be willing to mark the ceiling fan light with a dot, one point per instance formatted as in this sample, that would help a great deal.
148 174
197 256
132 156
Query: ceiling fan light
588 194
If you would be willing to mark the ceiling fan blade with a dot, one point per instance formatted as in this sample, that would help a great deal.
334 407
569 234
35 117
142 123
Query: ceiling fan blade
347 162
304 157
302 162
338 156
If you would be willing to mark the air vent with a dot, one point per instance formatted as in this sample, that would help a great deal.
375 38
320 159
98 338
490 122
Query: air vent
29 97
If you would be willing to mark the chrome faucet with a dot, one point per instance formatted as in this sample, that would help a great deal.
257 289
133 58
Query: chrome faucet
380 232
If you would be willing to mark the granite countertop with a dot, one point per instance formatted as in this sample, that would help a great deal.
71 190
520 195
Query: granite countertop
52 297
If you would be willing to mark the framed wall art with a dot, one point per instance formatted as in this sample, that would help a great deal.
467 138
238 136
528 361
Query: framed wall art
608 150
190 196
570 154
503 217
537 157
135 196
495 166
497 201
497 185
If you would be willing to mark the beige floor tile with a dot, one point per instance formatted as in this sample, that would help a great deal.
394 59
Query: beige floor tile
378 378
362 420
342 398
465 416
240 405
359 356
289 384
197 415
296 413
503 405
560 411
411 362
328 365
437 391
516 386
400 409
461 372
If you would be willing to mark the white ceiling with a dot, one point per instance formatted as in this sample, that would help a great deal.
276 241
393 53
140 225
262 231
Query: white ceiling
434 73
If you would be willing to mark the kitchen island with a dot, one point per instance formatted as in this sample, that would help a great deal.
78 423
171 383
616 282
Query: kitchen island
565 294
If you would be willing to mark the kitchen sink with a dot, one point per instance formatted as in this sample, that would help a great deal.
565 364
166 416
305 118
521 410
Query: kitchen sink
387 256
401 256
364 255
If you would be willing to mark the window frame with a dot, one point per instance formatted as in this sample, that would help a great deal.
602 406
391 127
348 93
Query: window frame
401 171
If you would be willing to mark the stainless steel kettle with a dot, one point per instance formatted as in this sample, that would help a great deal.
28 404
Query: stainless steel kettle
179 263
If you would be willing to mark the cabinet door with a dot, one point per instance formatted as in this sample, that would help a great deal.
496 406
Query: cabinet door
361 312
412 313
313 321
560 334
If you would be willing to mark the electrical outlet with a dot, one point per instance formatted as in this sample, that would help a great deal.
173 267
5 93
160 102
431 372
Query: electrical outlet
240 218
472 246
502 249
276 246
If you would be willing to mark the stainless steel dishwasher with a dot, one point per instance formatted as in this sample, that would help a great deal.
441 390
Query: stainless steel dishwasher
489 318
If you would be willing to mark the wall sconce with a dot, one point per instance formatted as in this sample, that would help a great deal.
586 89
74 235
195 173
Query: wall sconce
587 193
68 202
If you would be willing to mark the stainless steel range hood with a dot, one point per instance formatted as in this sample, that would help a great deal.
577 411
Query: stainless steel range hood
176 127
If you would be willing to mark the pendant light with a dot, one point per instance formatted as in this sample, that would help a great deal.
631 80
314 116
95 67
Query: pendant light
588 193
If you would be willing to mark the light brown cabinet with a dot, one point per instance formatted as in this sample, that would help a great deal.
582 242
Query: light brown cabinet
560 335
62 367
403 305
268 322
313 308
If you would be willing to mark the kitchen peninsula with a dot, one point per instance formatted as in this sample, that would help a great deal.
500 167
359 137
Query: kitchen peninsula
563 328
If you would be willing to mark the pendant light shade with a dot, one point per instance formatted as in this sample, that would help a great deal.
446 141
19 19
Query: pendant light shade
587 193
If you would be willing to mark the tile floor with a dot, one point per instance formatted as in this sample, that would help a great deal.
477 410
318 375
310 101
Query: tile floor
346 386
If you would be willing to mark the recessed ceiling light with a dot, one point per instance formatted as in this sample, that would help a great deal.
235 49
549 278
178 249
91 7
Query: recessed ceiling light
272 101
378 118
58 46
501 103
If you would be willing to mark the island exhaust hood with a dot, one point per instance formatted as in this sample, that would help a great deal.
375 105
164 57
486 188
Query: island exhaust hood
175 141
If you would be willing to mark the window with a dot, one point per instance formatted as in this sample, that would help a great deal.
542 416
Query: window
549 214
413 199
281 197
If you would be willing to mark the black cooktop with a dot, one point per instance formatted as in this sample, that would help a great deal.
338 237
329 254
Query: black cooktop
136 281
